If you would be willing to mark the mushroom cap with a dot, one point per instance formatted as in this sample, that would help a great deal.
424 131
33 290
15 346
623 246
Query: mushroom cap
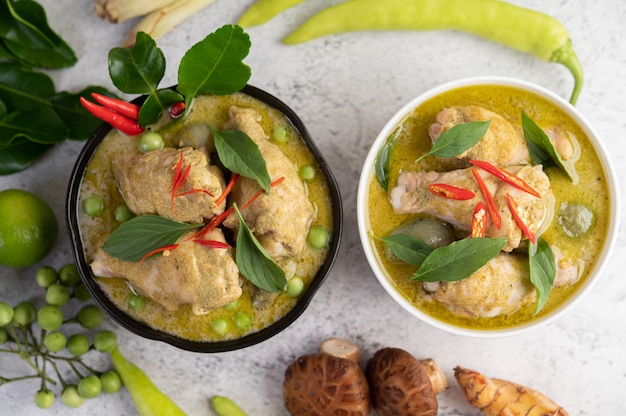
324 385
400 385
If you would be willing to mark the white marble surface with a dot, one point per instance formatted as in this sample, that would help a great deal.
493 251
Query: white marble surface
345 88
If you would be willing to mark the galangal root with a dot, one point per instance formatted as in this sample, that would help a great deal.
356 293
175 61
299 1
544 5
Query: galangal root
495 397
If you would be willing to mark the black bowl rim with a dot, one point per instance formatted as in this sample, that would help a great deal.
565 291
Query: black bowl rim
141 329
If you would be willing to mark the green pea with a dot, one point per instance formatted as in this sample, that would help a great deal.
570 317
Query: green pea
81 293
78 344
93 206
44 399
295 286
280 134
122 213
105 341
24 313
307 173
89 387
3 336
243 320
90 316
46 276
150 141
6 313
318 237
136 302
220 326
50 317
111 382
232 305
68 274
55 341
57 294
71 398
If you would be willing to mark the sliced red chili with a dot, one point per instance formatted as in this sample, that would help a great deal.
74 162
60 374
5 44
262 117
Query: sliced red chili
451 192
158 250
507 177
211 243
520 223
229 187
479 221
115 119
178 167
177 109
125 108
488 198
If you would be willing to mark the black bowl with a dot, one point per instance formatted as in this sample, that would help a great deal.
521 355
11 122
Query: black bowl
141 329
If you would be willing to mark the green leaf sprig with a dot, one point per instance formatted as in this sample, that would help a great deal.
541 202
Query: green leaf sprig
141 235
457 139
407 248
541 149
381 167
212 66
542 271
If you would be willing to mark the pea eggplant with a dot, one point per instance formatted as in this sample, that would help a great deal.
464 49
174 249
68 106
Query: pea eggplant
519 28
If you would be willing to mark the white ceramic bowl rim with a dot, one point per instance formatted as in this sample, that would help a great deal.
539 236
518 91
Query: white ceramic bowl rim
368 172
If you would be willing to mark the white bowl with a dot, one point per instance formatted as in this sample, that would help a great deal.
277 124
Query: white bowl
368 173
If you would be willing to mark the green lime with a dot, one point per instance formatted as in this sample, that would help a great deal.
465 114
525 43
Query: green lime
28 228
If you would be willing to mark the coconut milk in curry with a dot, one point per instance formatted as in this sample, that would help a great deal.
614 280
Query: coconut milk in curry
414 140
243 316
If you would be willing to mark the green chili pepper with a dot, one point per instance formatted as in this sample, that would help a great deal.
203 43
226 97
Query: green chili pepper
149 400
264 10
519 28
224 406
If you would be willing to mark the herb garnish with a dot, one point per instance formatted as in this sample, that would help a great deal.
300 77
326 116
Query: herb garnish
255 263
457 139
144 234
541 149
407 248
542 271
381 167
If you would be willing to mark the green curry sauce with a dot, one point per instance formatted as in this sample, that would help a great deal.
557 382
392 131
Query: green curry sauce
99 180
413 141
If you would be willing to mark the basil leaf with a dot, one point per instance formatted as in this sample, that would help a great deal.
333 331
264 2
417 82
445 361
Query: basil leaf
19 154
239 154
407 248
80 122
458 260
542 271
137 70
255 263
53 52
458 139
135 238
42 125
214 65
542 150
381 167
23 89
156 102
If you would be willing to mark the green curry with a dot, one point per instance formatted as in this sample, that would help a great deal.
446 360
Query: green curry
414 140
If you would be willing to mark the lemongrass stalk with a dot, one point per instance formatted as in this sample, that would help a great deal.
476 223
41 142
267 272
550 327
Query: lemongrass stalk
162 21
116 11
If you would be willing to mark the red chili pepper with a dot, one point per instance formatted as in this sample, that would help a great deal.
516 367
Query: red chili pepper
158 250
176 180
479 221
229 187
125 108
507 177
513 207
177 109
451 192
211 243
491 204
116 120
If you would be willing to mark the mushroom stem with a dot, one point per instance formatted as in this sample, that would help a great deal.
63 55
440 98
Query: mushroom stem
436 376
341 348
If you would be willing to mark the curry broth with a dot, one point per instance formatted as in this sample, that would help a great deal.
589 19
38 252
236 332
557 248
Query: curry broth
413 141
99 180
